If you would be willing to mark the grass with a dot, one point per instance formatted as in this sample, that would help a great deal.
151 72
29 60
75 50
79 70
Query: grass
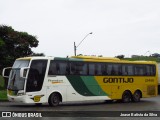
3 92
3 95
1 82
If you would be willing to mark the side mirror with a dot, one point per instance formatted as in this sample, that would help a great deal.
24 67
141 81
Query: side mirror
6 72
23 72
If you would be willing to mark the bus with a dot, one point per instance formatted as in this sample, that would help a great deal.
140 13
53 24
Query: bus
54 80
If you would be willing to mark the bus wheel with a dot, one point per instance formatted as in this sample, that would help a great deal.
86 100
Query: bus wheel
54 99
136 96
126 97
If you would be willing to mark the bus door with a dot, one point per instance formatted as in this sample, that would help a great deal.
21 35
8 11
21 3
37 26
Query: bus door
36 75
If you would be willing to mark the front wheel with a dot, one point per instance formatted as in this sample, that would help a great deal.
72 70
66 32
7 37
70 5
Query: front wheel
54 99
126 97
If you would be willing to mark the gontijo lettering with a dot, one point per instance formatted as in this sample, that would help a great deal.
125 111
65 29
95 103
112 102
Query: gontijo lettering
118 80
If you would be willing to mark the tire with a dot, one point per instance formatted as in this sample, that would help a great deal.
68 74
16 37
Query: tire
136 96
126 97
54 99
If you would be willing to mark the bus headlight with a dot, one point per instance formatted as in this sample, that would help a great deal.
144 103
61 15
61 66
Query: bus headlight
20 93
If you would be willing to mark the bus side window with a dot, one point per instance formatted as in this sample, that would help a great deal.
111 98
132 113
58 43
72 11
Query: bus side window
130 70
63 68
110 70
152 70
75 68
98 70
78 68
82 68
124 70
116 69
54 68
72 68
104 68
139 70
91 68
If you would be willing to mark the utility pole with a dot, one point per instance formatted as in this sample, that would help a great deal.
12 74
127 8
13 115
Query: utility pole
75 47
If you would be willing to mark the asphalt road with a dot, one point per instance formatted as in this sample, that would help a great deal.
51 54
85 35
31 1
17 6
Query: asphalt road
87 109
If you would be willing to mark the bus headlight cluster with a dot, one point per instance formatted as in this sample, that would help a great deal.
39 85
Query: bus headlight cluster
20 93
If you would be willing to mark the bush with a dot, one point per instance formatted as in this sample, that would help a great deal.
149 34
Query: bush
3 95
2 86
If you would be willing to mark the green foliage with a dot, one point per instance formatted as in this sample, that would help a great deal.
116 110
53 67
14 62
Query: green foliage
120 56
143 58
1 83
3 94
14 44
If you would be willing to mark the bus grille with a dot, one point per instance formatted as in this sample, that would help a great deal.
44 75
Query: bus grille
151 90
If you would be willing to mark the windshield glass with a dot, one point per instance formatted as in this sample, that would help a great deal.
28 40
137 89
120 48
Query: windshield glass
15 82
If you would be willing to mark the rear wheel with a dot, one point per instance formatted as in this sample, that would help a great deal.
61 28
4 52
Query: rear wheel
54 99
126 97
136 96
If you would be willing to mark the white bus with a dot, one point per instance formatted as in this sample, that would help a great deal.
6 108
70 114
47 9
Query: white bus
53 80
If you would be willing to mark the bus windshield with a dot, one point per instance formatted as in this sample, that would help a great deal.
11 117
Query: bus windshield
15 82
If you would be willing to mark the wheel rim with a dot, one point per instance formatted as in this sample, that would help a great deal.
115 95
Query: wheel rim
136 96
55 99
126 97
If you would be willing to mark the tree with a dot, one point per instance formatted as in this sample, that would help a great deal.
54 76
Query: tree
155 55
120 56
14 44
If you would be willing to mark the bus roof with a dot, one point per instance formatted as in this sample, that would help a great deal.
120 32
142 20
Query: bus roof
88 58
110 59
95 58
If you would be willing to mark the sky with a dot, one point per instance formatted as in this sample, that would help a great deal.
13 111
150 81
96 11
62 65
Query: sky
128 27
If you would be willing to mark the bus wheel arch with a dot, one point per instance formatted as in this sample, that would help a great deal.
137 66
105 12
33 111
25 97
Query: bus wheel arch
126 96
54 99
136 96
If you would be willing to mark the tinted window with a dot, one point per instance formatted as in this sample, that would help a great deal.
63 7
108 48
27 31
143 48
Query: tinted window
127 69
110 69
130 70
36 75
116 69
139 70
78 68
91 69
150 70
104 68
98 69
58 68
124 69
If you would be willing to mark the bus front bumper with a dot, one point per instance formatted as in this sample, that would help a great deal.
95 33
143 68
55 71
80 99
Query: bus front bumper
23 99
